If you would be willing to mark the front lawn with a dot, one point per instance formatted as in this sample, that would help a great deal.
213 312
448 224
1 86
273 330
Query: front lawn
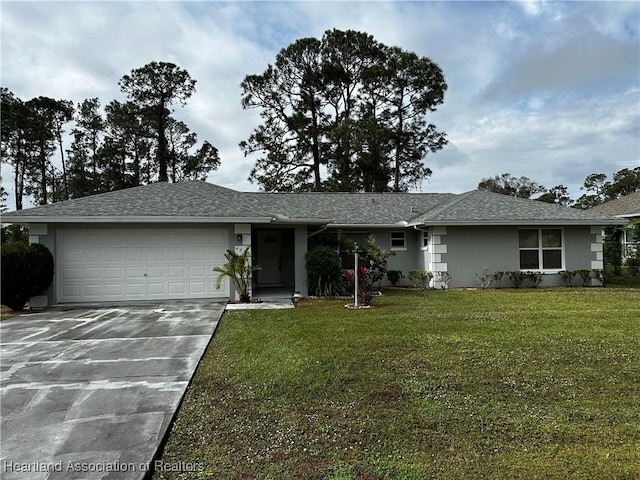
500 384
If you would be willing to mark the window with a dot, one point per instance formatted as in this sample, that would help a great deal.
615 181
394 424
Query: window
426 240
398 241
630 243
541 249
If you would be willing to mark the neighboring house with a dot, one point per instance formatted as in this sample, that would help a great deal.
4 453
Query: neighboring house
161 241
624 207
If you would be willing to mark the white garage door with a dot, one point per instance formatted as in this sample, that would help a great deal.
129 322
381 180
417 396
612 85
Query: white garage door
139 264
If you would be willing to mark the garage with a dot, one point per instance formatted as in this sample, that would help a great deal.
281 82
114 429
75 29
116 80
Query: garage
97 265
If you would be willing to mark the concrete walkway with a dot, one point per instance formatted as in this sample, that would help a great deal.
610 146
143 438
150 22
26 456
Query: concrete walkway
89 393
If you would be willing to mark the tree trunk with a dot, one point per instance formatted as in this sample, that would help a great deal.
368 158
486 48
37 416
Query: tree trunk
64 168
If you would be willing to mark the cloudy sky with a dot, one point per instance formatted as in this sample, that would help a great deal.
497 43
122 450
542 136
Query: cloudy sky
548 90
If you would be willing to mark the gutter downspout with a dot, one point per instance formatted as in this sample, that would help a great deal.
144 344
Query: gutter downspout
322 229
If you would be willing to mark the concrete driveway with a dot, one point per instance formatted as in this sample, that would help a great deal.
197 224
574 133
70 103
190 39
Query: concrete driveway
89 393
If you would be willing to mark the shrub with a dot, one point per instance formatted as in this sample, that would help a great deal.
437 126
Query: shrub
420 278
567 277
375 260
534 277
497 278
585 275
239 270
484 279
324 272
444 278
27 270
613 248
517 277
633 264
598 275
394 276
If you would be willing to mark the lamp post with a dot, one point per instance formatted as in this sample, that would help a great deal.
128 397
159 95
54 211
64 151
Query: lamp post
355 271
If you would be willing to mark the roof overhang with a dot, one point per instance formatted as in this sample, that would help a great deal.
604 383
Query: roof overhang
284 220
521 223
368 225
24 219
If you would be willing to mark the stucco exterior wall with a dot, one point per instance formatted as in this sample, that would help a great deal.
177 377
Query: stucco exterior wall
403 259
472 250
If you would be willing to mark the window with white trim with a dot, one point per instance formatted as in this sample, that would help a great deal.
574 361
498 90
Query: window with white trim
426 240
541 249
398 240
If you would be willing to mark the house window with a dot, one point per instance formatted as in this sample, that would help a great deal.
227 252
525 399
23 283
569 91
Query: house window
426 240
541 249
630 242
398 241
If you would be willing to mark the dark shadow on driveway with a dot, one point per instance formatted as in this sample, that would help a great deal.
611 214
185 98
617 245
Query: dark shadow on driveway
89 393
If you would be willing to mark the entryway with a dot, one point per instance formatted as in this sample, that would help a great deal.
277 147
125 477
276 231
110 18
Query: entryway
273 252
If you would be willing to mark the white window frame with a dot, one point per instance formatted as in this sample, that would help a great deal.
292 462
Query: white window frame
404 240
540 249
426 241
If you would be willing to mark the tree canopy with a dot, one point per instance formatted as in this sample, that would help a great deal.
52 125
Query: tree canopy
599 189
343 113
121 145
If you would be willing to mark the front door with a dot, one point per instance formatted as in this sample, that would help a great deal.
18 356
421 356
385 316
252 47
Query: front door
269 253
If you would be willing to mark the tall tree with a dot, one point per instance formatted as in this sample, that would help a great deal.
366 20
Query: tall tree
41 172
129 138
349 58
16 141
289 94
84 170
599 189
154 88
558 195
624 182
507 184
345 106
61 112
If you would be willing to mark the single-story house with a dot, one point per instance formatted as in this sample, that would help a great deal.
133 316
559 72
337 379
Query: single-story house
162 240
628 207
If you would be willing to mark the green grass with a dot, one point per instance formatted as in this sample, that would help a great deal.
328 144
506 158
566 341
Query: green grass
626 280
500 384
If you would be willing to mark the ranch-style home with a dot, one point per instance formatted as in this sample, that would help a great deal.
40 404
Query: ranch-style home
162 240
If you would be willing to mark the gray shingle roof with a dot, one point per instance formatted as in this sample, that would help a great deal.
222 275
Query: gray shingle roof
355 208
627 206
201 201
480 207
187 199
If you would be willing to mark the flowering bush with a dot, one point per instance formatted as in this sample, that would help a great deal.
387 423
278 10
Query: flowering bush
365 284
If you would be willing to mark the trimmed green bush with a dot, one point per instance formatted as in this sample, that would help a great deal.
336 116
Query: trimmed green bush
517 278
324 272
421 278
27 270
394 276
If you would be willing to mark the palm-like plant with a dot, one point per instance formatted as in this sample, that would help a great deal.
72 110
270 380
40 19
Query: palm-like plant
239 269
